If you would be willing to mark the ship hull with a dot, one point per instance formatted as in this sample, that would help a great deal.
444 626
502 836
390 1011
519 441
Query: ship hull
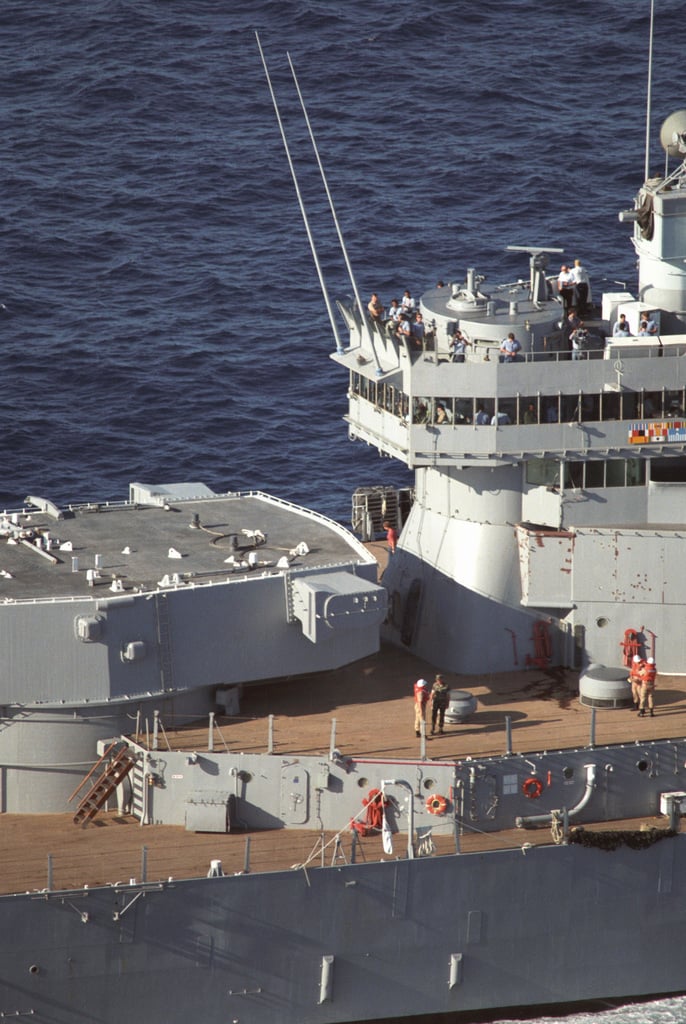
398 939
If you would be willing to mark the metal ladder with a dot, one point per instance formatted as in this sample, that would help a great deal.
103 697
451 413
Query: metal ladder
116 768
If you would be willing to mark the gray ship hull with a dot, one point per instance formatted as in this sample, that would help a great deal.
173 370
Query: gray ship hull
404 939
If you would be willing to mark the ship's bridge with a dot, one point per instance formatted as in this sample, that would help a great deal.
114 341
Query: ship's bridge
624 398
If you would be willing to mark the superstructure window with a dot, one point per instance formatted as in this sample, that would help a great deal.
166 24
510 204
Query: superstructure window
668 471
543 472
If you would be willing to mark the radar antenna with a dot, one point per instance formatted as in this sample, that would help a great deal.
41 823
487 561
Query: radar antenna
538 261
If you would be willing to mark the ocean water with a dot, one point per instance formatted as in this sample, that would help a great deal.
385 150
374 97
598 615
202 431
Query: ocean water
162 319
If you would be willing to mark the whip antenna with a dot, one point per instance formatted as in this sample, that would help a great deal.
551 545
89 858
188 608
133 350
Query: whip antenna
363 315
650 88
329 308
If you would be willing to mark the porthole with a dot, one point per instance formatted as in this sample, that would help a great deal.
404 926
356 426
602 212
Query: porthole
602 622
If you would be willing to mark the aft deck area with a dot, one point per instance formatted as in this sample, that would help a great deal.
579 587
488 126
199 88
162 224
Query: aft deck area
371 702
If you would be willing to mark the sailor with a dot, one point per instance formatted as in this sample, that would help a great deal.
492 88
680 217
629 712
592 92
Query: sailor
417 329
578 338
375 308
509 349
582 286
421 699
391 536
636 679
482 417
647 691
647 325
442 414
404 329
407 303
621 329
393 316
459 345
565 286
440 698
500 419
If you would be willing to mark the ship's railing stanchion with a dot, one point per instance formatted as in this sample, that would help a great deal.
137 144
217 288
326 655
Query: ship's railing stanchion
422 741
49 872
508 734
144 864
270 735
210 734
332 741
138 725
246 858
591 739
155 729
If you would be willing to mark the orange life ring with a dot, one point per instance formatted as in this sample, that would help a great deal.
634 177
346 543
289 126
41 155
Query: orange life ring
532 787
437 804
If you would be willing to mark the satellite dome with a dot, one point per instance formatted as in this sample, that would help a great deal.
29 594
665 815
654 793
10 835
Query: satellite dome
673 134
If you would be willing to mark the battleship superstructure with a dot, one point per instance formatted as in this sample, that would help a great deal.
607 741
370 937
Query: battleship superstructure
559 524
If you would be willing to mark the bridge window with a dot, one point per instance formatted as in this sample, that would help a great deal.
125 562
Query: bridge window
672 471
574 475
595 474
543 472
615 473
674 403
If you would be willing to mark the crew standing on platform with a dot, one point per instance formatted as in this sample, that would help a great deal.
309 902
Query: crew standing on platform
459 345
636 679
375 308
647 687
421 699
440 698
509 348
417 330
582 285
565 286
391 536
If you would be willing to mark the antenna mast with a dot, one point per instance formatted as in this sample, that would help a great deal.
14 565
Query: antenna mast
650 90
329 308
333 210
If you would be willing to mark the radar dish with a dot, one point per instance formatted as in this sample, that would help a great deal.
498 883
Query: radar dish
673 134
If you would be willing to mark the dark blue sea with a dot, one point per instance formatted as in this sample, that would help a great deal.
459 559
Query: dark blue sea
162 318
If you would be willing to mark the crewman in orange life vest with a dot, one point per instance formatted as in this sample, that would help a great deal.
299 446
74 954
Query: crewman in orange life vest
421 699
636 679
647 687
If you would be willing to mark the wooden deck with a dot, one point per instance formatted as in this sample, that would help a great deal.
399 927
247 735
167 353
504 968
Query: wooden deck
371 702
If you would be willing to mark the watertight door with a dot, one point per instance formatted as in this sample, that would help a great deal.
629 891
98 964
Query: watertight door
295 793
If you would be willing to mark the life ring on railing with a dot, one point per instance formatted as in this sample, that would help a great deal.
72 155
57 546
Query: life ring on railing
532 787
437 804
